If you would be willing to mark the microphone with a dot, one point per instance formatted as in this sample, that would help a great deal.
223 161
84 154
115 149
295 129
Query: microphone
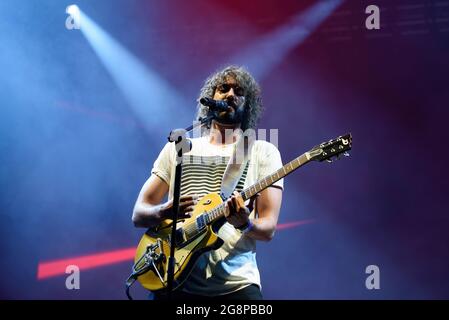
217 105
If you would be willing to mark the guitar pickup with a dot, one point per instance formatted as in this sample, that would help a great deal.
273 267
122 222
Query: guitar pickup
200 222
180 237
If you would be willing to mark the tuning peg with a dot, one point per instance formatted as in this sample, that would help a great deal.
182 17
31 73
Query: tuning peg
329 160
346 154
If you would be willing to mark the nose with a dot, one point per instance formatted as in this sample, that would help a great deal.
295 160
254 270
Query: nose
231 92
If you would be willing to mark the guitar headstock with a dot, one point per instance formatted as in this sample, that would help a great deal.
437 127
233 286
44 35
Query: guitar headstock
332 148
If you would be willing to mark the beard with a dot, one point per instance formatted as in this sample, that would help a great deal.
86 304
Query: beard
233 116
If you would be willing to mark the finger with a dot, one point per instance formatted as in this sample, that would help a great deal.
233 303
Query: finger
250 205
227 208
231 206
187 212
188 197
235 205
240 202
188 203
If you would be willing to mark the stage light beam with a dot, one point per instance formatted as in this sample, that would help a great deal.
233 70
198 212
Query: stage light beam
265 53
151 98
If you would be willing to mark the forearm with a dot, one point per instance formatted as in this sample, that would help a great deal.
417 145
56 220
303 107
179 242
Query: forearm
147 215
262 229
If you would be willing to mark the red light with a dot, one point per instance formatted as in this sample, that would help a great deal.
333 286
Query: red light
57 267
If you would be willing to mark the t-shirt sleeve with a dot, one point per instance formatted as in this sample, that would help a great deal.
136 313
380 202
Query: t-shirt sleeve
162 167
270 161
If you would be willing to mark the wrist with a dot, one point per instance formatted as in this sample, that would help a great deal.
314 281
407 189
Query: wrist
246 227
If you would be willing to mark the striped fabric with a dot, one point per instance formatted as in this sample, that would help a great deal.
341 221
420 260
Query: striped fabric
202 175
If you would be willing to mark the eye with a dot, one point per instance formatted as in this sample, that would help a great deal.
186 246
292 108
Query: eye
223 88
239 91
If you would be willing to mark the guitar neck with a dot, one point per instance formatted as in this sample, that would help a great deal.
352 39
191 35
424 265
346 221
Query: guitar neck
262 184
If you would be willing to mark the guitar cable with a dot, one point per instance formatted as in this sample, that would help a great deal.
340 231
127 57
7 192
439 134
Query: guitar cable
129 282
148 263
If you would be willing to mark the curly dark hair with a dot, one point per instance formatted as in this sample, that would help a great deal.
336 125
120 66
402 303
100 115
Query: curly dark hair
253 99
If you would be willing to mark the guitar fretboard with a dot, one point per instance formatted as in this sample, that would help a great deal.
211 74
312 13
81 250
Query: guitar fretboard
262 184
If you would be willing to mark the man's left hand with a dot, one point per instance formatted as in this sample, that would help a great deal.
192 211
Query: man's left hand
236 212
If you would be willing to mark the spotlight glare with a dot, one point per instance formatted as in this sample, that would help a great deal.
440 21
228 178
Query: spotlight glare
73 10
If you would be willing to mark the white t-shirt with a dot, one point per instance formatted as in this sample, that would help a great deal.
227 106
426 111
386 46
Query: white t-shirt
233 266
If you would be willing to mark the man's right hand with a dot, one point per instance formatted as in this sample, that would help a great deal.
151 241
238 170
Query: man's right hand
186 206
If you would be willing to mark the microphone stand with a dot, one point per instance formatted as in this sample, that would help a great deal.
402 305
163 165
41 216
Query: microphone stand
182 144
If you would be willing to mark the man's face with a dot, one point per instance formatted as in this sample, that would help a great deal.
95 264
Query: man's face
234 95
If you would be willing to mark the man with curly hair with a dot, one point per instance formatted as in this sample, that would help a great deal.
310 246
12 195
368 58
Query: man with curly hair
229 272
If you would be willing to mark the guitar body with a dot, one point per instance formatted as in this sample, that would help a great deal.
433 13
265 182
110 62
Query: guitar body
185 254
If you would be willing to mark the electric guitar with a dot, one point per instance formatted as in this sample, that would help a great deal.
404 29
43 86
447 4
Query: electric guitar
198 233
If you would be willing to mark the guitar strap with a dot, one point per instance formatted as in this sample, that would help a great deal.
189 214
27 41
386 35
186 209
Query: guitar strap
236 165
